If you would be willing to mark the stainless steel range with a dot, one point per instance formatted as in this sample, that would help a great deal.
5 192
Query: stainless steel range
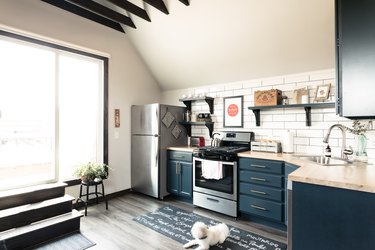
215 172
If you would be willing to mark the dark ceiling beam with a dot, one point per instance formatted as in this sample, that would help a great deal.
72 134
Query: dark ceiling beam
186 2
104 11
132 8
159 4
85 13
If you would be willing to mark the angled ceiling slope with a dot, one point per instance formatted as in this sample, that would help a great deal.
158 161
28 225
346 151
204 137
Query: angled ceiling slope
107 16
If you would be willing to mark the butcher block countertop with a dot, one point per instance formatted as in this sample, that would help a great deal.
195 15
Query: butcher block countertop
185 149
357 176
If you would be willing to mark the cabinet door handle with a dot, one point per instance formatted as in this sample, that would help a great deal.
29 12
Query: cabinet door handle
258 166
214 200
258 179
178 168
258 207
257 192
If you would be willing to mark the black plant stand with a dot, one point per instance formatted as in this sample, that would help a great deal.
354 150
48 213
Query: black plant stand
87 194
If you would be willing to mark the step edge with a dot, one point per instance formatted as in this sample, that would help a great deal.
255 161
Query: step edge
74 214
34 206
31 189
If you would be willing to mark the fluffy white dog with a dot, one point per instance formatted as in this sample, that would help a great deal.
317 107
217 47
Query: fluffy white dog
205 236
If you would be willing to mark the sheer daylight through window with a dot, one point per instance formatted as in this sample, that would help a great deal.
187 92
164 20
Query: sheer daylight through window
51 113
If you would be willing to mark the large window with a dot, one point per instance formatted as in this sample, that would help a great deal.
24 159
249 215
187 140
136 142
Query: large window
52 111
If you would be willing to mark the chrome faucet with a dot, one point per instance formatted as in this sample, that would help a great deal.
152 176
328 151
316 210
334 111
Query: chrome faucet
344 151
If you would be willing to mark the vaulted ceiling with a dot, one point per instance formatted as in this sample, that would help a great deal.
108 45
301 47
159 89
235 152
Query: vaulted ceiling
189 43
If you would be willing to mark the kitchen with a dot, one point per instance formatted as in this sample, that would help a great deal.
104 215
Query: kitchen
127 68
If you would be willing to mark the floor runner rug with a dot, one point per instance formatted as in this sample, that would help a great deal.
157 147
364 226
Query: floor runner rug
176 224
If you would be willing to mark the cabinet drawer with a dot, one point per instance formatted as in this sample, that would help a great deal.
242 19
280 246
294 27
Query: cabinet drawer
266 166
269 209
262 179
262 191
180 156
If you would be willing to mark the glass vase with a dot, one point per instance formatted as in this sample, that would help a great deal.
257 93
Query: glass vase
361 148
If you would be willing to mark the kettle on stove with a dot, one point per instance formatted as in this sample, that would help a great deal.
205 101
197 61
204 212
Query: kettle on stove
215 142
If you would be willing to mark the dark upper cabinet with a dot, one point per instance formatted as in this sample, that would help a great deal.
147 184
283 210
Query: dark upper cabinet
355 58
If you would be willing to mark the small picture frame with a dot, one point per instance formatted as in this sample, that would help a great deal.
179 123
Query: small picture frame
233 113
322 92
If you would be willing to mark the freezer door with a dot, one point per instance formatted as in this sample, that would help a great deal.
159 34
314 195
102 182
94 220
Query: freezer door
145 164
145 119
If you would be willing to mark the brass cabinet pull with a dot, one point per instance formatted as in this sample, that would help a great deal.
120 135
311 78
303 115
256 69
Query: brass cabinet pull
258 207
258 192
258 166
257 179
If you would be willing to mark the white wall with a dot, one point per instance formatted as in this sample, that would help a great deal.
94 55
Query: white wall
275 122
128 75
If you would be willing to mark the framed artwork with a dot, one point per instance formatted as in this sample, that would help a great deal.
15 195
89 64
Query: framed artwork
322 92
233 113
117 118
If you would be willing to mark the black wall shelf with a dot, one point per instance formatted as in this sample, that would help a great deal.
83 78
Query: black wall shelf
209 100
308 106
187 125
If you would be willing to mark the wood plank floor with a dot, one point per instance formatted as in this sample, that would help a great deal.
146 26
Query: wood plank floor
115 229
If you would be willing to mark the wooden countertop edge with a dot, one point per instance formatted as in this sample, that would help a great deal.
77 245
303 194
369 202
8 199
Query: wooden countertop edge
357 177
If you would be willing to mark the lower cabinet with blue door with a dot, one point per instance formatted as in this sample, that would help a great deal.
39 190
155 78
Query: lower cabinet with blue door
262 191
332 218
180 174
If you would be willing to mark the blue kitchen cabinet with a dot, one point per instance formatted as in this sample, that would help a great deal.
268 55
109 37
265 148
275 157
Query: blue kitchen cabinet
332 218
289 168
261 191
180 174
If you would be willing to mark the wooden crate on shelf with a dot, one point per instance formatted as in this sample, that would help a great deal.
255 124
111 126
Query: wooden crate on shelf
267 97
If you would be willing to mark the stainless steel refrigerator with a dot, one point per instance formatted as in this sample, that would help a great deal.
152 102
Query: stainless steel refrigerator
154 127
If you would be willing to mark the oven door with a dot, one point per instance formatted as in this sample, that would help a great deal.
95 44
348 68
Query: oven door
225 186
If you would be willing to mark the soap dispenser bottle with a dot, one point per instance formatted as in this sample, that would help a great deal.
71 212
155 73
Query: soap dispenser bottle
327 151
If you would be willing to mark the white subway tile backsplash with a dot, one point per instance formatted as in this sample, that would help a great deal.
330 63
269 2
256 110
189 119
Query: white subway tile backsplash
285 87
284 117
243 92
225 93
321 75
252 83
273 81
275 122
301 141
232 86
296 78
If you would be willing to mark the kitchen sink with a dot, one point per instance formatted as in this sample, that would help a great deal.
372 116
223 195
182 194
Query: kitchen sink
323 160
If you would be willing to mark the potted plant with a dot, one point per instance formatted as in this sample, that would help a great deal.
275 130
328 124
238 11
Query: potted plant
90 172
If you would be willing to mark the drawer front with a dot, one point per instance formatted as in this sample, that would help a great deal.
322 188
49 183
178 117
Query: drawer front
260 207
266 166
214 203
262 179
262 191
180 156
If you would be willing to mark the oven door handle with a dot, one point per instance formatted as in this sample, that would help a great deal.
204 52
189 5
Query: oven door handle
214 200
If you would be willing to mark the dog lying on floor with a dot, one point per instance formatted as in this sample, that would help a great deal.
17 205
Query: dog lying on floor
206 236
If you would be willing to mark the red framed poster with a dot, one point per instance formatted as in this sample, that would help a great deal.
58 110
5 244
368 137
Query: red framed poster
233 112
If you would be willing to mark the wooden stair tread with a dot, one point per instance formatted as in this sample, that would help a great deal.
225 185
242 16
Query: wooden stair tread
18 191
34 206
28 195
40 224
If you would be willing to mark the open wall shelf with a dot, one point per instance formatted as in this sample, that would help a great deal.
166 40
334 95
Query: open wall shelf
308 106
209 100
187 125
